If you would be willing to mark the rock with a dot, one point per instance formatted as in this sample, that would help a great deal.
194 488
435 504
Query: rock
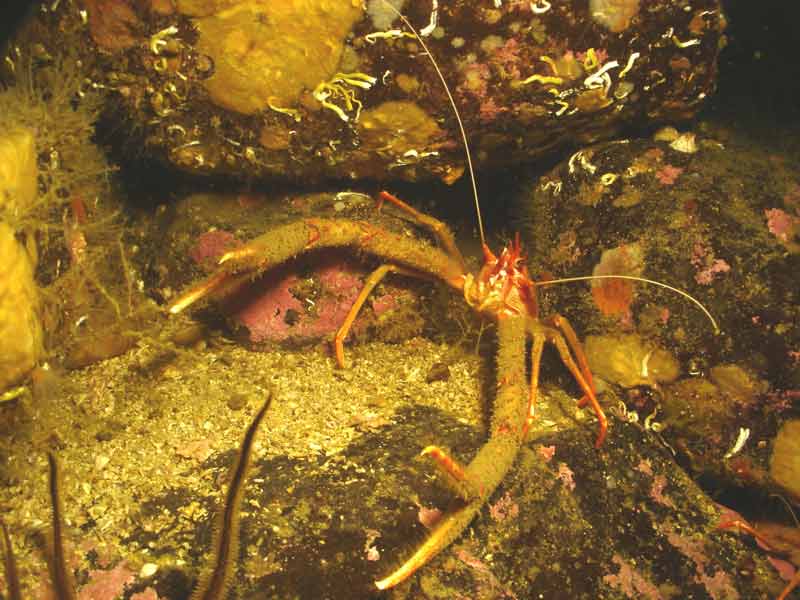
701 222
628 361
784 463
330 507
697 221
314 89
622 522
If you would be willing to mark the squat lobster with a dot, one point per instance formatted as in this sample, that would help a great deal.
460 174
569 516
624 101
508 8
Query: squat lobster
502 291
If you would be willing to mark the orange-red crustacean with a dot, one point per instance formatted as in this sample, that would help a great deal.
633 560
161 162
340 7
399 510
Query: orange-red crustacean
502 291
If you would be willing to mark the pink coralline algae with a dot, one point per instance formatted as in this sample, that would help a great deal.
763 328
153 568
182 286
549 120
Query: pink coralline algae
272 313
645 467
657 491
781 224
269 308
476 80
566 475
211 245
504 508
507 58
488 585
429 517
546 452
719 585
371 552
630 582
668 174
489 110
107 585
383 304
708 267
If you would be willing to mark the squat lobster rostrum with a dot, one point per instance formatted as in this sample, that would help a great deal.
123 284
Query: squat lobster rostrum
502 291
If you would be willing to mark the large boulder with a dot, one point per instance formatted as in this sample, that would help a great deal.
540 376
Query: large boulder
718 217
313 89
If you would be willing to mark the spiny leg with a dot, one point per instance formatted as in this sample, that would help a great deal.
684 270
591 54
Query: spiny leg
558 340
536 365
493 461
563 325
221 283
369 284
285 242
454 472
742 525
434 225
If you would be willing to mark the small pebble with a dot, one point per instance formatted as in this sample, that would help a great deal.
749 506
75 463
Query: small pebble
438 372
238 401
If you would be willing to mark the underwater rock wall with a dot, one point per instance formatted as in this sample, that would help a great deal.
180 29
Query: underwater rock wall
316 89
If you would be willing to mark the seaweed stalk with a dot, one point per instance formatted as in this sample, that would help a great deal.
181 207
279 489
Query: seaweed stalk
10 566
216 577
63 585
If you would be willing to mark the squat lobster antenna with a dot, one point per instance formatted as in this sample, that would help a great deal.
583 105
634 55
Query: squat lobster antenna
642 280
455 112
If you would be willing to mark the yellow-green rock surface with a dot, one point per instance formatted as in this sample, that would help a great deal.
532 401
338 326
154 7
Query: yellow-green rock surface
20 329
784 464
17 172
267 52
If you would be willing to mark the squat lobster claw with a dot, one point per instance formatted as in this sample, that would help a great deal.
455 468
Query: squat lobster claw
502 291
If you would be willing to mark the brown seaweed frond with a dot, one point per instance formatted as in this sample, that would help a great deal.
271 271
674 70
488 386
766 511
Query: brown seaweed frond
63 584
10 566
213 583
